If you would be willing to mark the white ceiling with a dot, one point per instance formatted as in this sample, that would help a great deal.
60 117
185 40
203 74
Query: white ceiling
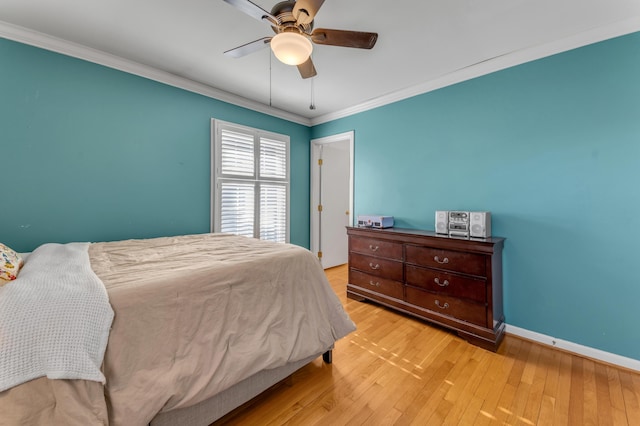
422 44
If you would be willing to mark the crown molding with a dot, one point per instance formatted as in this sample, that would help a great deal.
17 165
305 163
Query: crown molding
488 66
54 44
507 60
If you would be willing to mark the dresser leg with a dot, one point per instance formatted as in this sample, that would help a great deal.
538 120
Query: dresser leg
488 344
355 296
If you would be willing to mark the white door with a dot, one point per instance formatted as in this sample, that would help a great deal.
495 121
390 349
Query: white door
331 197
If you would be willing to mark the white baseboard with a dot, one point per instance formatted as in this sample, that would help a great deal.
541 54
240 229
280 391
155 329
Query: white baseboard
586 351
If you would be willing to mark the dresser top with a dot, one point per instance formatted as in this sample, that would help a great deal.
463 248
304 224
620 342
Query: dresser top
415 235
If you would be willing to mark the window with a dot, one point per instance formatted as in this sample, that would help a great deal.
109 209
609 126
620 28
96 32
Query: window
250 182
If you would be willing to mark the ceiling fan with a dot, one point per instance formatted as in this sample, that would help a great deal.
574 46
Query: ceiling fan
292 21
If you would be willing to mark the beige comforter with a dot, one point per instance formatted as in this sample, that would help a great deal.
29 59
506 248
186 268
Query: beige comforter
193 315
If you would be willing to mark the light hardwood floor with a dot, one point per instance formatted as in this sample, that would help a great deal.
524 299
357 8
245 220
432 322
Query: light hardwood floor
396 370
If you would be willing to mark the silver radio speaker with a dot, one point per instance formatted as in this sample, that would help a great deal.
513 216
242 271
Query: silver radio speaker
442 222
480 224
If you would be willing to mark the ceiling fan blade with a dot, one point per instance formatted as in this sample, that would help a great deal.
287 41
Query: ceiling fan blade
248 48
305 10
307 69
253 10
358 39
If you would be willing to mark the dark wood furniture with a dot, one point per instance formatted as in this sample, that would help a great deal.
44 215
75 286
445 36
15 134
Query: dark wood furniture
453 282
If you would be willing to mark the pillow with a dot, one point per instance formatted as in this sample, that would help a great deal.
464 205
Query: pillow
10 264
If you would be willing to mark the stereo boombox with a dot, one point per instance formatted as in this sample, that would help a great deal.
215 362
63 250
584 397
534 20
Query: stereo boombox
463 224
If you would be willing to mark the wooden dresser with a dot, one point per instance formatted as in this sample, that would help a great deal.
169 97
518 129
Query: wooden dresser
453 282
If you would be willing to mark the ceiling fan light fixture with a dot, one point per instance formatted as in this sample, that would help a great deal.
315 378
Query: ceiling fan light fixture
291 48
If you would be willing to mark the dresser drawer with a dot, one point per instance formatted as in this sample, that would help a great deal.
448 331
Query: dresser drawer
457 261
376 266
375 247
379 285
446 284
475 313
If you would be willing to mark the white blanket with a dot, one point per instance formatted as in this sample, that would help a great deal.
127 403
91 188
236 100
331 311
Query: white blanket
54 319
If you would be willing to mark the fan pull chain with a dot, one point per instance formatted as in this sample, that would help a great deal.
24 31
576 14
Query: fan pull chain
312 106
270 78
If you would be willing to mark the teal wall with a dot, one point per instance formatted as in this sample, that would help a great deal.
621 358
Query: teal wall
89 153
552 149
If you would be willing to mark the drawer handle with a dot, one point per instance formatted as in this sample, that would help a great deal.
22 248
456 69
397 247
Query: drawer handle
373 248
441 284
443 261
372 266
376 284
445 306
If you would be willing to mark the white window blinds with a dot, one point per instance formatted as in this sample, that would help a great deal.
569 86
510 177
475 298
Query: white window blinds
273 159
273 212
237 154
237 208
250 187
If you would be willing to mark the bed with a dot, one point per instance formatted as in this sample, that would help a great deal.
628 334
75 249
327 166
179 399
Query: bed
202 324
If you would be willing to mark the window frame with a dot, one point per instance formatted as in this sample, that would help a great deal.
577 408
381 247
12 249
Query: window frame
218 178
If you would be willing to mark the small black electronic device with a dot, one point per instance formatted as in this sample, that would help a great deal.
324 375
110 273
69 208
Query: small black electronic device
375 221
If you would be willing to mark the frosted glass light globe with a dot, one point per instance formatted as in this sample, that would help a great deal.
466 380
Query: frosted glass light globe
291 48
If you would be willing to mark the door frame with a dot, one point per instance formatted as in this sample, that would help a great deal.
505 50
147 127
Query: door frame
315 145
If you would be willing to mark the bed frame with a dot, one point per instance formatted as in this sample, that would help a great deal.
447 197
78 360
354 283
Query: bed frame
212 409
